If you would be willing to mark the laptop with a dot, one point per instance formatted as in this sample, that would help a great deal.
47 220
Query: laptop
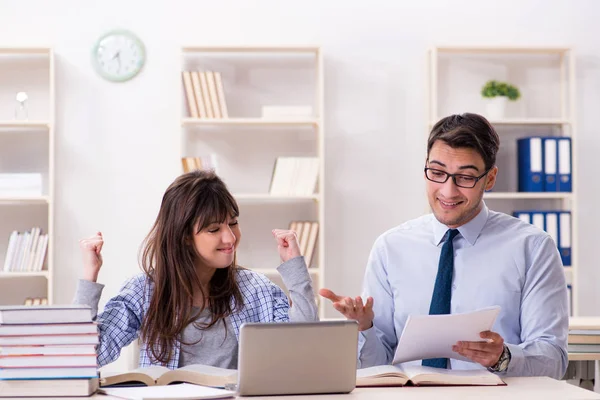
297 358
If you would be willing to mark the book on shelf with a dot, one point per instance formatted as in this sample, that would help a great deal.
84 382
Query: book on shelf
189 94
544 164
204 94
26 252
307 233
20 184
294 176
207 162
200 104
36 301
557 223
417 375
197 374
48 387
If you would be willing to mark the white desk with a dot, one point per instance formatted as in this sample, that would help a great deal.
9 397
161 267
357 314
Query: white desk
517 388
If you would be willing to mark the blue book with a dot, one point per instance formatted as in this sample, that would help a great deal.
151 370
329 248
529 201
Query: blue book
565 183
550 164
530 162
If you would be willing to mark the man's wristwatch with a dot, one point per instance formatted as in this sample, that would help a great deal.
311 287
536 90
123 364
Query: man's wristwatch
503 361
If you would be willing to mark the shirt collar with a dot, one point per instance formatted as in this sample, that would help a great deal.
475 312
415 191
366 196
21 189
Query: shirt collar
470 231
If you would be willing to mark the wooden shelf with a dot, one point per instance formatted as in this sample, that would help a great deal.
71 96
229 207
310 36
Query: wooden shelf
266 197
251 49
528 195
584 356
25 124
501 50
4 275
24 200
248 122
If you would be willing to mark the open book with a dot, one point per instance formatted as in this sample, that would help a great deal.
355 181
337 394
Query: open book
393 375
204 375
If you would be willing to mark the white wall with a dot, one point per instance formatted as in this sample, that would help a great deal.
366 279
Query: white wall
117 146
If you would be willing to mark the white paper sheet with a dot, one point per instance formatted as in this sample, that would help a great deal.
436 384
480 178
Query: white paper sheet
183 391
432 336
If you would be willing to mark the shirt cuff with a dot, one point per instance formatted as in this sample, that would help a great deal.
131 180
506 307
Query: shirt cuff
517 359
88 293
364 338
294 272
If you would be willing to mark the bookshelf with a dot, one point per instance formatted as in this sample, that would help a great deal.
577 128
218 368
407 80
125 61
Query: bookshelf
546 78
27 141
246 141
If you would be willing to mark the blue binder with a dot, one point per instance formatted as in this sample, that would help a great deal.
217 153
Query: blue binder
530 162
551 225
564 237
550 164
565 183
570 299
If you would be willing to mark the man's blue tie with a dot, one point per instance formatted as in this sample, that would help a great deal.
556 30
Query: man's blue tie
442 292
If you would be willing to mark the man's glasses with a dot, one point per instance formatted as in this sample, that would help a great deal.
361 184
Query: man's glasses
463 181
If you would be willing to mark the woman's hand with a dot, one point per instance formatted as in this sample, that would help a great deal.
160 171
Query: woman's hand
287 244
92 258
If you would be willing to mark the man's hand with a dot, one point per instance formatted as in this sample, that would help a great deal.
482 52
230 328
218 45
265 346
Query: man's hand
486 353
352 308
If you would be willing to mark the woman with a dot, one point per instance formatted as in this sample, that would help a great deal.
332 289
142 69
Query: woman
189 303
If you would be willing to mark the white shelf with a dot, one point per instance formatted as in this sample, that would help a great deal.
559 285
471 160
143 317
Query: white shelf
25 124
525 121
249 122
501 50
260 207
448 63
24 200
273 198
251 49
25 50
4 275
33 67
528 195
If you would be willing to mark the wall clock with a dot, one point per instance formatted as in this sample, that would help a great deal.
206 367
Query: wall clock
118 56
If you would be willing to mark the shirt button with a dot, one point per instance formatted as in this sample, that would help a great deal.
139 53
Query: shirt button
453 286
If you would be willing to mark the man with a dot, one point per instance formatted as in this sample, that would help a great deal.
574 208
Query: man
461 258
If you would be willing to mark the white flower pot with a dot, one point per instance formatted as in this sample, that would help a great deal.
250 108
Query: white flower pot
495 107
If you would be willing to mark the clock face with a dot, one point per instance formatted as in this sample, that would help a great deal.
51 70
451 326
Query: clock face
119 56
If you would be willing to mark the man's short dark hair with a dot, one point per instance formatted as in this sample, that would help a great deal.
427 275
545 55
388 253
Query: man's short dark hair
467 130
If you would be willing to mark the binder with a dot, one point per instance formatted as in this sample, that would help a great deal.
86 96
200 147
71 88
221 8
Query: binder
530 163
524 216
564 237
565 183
538 219
570 299
551 223
550 165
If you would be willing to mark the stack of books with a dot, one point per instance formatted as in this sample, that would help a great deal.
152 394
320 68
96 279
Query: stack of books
47 351
584 335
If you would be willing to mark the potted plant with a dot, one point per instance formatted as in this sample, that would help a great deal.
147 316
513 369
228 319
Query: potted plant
497 94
